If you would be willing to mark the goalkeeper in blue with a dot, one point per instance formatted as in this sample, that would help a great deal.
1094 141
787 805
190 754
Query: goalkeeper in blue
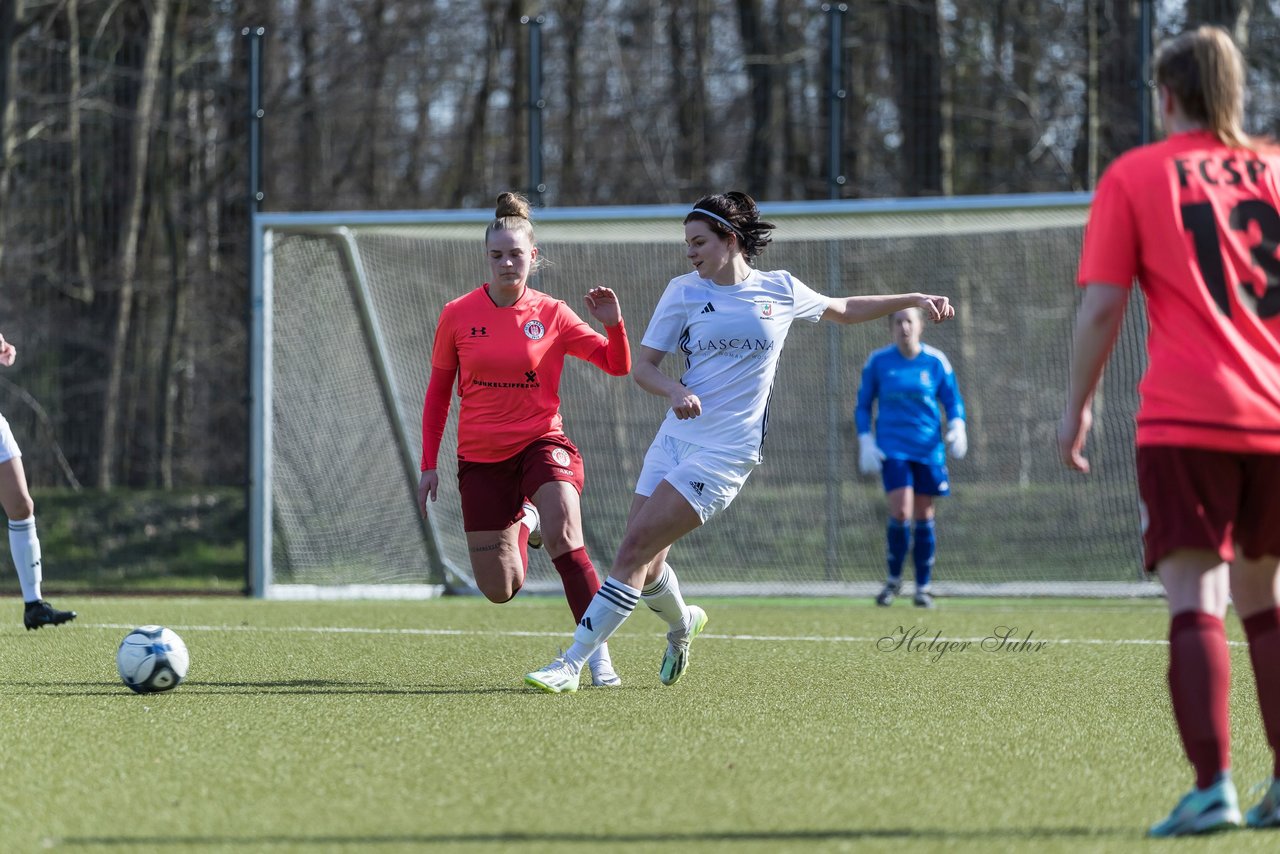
906 382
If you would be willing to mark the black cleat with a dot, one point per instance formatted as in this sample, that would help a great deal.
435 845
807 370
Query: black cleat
41 613
887 594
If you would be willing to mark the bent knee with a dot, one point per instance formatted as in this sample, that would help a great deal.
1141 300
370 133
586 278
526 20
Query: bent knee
499 594
20 508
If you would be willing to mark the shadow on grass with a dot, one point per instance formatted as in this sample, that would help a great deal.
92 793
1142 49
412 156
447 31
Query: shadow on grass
1029 834
205 688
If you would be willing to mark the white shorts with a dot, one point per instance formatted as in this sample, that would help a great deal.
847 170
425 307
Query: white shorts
8 445
708 479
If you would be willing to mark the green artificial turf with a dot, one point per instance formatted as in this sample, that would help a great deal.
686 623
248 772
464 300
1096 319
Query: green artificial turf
404 726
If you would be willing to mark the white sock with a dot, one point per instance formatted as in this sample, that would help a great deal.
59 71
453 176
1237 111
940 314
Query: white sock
664 599
24 545
600 657
611 605
530 519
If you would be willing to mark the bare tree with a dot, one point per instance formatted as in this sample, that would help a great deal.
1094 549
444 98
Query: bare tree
760 85
470 152
1233 15
11 27
916 58
572 22
687 39
132 233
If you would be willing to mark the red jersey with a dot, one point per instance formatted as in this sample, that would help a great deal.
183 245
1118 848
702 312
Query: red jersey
1196 223
509 360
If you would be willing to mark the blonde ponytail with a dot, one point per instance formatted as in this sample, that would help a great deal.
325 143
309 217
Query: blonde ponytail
1204 71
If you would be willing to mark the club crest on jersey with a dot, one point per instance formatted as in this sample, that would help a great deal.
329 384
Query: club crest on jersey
560 457
534 330
766 307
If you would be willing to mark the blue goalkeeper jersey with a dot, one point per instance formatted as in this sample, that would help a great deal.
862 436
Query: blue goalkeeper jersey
907 393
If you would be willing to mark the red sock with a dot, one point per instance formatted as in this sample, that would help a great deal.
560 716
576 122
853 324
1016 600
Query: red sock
579 579
1199 680
522 543
1263 632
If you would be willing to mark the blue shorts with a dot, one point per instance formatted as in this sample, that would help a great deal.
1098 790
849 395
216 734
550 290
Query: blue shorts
923 478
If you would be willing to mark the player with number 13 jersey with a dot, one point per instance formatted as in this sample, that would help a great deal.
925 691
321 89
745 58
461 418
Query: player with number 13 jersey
1195 219
1196 222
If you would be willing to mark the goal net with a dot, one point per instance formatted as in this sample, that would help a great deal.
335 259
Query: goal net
345 322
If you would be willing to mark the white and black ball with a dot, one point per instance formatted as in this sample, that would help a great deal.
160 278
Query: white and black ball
151 659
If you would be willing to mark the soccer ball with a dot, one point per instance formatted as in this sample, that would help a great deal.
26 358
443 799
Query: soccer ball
152 658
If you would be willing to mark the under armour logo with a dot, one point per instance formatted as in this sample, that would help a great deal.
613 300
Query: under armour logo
586 624
531 376
707 308
479 332
697 486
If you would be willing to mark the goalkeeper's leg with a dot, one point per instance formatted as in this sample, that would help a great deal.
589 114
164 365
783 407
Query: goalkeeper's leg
898 530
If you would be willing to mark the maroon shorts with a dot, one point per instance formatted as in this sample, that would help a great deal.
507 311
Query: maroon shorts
1210 500
493 493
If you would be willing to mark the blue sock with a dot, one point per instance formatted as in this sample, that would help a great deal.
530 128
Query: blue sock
926 545
898 535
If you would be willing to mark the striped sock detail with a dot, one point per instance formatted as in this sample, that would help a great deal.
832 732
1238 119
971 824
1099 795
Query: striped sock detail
22 524
659 586
619 595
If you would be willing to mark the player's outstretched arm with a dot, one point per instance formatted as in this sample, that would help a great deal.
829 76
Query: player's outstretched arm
1097 327
684 403
859 309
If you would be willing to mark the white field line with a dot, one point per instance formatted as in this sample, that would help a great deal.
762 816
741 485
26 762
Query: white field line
922 639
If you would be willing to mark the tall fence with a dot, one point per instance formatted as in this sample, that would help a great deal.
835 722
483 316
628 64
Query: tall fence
124 162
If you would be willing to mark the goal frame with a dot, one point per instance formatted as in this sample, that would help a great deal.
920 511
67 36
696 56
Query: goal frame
1070 208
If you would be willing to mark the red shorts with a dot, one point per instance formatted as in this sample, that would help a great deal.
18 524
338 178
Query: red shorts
1210 500
493 493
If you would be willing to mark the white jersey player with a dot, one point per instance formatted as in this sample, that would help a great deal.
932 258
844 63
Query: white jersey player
24 545
728 321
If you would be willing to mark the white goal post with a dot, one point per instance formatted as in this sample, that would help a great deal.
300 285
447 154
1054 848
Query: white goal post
344 307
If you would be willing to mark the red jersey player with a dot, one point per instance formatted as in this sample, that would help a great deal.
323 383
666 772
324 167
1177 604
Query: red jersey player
505 344
1195 219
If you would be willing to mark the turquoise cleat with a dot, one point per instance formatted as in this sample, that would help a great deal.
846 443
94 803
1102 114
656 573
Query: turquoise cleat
1202 811
1267 812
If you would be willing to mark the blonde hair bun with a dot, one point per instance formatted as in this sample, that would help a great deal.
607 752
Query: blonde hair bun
511 204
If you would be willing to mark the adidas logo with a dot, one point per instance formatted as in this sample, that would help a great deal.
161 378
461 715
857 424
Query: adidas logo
586 623
707 308
697 485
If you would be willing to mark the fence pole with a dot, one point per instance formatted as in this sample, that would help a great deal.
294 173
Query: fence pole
835 141
1145 71
257 481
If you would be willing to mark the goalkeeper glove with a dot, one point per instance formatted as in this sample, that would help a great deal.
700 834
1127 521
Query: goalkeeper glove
957 439
869 454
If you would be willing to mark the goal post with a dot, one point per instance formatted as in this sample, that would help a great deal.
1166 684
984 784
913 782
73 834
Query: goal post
344 312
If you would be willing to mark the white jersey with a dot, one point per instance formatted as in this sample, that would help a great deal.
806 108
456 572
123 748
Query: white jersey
730 337
8 446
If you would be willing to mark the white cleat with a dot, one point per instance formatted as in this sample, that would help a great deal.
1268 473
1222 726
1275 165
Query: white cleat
675 661
558 677
603 675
